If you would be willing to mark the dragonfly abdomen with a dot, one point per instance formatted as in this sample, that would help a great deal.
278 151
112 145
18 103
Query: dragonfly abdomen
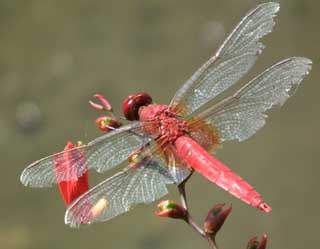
204 163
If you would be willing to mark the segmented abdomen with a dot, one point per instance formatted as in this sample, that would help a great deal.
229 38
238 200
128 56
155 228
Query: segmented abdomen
208 166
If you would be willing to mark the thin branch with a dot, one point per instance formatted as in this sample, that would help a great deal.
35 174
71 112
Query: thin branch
188 219
182 191
212 242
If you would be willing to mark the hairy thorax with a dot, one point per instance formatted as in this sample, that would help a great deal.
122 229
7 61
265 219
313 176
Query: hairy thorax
162 122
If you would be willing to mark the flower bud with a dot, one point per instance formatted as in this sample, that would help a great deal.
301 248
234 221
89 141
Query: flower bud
171 209
107 123
71 189
215 219
255 244
105 105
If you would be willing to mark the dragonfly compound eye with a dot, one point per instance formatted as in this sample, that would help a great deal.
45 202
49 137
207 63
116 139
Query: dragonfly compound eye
132 104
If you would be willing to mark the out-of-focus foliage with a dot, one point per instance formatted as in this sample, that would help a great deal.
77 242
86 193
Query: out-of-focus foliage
54 55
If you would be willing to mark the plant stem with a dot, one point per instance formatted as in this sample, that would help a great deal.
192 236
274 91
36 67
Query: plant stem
182 191
188 219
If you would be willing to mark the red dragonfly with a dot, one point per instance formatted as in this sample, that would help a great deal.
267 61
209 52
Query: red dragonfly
164 143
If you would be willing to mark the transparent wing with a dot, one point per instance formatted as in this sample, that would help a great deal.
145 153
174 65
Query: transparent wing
177 168
233 59
118 194
241 115
101 154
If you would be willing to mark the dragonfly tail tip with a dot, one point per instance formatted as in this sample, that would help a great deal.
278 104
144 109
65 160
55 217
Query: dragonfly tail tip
265 207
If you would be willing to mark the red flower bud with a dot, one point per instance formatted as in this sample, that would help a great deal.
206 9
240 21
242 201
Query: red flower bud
215 219
171 209
107 123
72 189
105 105
255 244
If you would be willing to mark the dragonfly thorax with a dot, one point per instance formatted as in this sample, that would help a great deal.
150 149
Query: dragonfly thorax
163 122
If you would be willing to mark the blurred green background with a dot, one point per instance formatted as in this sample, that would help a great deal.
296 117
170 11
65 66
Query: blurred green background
54 55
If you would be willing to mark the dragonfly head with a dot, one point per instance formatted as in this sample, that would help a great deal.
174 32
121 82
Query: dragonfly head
132 104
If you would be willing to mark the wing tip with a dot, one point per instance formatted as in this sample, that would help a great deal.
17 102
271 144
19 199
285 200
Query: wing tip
272 8
71 213
29 180
24 179
273 5
69 222
304 62
68 219
72 222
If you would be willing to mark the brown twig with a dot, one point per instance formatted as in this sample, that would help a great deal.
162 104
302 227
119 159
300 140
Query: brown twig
188 219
